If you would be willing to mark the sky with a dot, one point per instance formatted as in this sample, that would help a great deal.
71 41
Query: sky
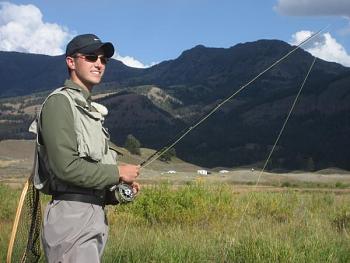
147 32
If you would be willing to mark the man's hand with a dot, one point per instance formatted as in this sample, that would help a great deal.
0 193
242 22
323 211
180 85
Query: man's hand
128 173
135 187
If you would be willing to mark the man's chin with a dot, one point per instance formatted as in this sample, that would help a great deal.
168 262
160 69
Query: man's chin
95 81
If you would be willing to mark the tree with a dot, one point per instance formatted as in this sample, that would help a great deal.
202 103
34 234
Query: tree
132 144
168 155
310 165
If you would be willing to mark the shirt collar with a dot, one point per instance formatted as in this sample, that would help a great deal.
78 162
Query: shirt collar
72 85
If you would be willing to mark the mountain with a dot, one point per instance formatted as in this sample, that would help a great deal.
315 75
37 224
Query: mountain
316 135
130 113
242 132
204 74
158 102
23 74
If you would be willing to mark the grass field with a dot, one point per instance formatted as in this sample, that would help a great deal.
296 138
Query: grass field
200 222
184 217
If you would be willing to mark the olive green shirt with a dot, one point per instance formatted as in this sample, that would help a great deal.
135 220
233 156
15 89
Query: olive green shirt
57 123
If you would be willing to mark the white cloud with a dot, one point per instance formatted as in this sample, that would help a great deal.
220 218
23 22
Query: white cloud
22 29
313 7
132 62
325 47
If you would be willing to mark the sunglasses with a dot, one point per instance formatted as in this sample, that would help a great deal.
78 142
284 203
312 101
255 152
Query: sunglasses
93 58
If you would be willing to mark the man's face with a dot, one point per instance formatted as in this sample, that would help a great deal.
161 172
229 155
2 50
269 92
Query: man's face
87 69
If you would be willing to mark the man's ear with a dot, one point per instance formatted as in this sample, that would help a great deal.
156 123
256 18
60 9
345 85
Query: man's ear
70 62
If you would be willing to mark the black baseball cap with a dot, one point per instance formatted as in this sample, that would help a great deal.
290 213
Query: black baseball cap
88 44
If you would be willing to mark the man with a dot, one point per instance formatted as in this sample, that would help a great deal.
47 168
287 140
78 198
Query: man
76 163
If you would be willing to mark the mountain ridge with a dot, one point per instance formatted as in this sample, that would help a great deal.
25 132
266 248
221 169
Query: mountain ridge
243 130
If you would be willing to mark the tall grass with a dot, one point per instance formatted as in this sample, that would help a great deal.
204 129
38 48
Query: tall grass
200 223
205 223
8 206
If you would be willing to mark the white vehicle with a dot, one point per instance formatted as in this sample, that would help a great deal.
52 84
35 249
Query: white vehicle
202 172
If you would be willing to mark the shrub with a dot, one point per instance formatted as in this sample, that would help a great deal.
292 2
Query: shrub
286 184
132 144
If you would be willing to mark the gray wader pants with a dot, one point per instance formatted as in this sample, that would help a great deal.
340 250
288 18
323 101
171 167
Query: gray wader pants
74 232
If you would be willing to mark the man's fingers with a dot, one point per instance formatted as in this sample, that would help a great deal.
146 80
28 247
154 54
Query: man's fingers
128 172
136 187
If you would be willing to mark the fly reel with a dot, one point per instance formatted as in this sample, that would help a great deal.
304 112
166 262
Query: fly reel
123 193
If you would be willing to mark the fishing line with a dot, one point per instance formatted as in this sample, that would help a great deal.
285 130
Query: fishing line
163 150
274 146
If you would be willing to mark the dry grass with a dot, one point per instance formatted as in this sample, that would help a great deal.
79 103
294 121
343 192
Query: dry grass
17 149
7 163
16 158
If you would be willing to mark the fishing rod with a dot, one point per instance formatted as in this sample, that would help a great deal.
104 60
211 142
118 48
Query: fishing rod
124 191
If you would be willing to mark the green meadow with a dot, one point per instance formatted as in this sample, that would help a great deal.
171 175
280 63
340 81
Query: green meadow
200 222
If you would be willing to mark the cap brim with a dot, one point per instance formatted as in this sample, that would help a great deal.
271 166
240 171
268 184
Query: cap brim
108 49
